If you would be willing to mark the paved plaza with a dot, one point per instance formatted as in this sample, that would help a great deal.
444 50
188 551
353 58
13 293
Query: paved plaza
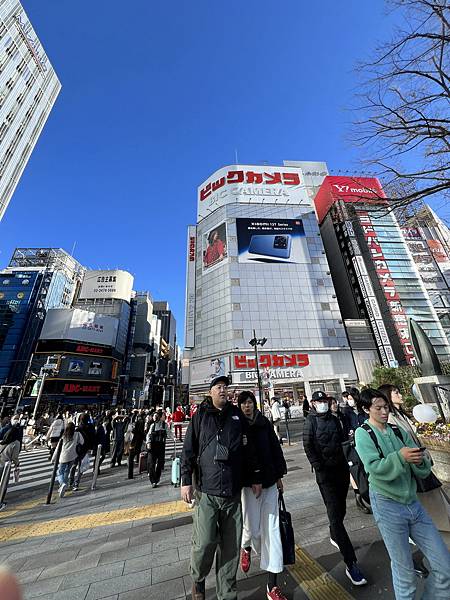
127 541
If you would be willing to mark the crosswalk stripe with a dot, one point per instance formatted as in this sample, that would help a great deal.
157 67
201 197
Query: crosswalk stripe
36 469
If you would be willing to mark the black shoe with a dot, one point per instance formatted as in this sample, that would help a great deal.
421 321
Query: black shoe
362 507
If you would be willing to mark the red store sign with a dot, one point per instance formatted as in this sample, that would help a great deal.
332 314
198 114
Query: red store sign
241 361
250 177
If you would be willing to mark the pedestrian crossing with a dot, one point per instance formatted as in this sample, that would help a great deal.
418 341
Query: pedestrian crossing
36 470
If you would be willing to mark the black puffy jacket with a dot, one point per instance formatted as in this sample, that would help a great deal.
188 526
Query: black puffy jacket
261 436
218 477
322 439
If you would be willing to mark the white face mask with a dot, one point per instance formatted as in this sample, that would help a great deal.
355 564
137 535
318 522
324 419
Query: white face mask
351 402
321 407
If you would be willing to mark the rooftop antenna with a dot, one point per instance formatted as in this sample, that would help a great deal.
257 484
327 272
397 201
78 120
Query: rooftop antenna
236 155
73 249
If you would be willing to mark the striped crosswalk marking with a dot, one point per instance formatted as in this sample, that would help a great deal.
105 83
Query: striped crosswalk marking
36 469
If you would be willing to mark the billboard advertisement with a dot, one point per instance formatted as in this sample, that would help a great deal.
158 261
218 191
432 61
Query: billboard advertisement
107 284
75 366
271 241
423 259
79 325
214 247
203 371
347 189
189 329
252 184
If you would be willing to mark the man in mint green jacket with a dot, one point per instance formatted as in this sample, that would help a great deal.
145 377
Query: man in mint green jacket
392 468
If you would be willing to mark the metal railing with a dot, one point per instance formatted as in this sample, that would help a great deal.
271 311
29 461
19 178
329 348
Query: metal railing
4 483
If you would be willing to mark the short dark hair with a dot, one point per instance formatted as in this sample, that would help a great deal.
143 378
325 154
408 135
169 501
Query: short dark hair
246 395
386 389
369 395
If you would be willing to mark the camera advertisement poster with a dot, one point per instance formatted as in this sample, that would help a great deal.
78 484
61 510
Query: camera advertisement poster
271 241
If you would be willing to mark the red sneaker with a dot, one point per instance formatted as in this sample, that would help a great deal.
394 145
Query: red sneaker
275 594
246 559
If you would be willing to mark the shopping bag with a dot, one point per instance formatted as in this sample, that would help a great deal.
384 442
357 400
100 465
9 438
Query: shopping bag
85 463
286 532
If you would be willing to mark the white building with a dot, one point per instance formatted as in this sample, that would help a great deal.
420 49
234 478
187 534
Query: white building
28 90
255 262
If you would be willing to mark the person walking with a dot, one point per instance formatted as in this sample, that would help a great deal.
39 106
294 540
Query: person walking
136 443
178 417
260 516
156 446
393 462
434 501
72 441
276 417
322 439
118 435
55 432
217 451
10 450
87 430
354 417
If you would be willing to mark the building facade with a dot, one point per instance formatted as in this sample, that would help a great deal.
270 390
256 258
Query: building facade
36 280
28 90
256 265
376 278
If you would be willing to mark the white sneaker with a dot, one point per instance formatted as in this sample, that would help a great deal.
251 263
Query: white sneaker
333 543
62 490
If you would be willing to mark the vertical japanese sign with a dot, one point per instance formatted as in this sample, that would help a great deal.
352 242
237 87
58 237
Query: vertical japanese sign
383 272
190 287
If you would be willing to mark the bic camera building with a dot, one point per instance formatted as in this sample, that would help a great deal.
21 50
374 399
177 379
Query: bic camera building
256 262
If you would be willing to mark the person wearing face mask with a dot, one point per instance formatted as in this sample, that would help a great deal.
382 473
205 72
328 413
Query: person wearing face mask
354 417
322 440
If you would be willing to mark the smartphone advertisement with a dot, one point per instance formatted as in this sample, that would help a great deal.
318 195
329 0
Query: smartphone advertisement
271 241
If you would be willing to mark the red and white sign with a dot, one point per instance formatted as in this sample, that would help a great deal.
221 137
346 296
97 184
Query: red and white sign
347 189
242 361
396 309
252 184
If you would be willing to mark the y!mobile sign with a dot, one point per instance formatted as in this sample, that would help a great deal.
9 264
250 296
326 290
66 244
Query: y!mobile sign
252 184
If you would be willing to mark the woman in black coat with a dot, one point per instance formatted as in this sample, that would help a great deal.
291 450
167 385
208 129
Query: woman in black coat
260 514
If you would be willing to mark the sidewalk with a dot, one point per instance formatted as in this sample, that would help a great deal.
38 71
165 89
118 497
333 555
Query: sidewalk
127 541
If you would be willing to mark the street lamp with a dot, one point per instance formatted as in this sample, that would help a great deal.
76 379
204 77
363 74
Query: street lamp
255 342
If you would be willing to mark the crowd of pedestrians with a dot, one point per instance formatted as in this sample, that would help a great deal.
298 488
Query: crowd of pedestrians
232 469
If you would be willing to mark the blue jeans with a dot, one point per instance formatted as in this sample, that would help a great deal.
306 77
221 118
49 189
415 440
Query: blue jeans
397 522
63 472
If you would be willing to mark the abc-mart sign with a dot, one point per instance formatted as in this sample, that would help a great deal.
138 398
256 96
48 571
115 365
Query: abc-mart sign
251 184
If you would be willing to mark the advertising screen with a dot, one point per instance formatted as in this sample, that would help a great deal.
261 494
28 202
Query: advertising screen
205 370
271 241
76 366
214 249
80 325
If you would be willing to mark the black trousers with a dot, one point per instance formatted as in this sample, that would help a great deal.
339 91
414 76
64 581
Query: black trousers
333 486
117 451
156 461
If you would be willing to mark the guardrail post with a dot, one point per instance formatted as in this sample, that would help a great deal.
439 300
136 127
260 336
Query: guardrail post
96 466
56 454
4 483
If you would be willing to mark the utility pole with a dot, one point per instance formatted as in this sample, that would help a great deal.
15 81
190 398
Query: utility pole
255 342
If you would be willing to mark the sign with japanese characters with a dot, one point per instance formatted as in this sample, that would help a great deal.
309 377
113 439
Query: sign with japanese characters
189 329
107 284
397 312
80 325
252 184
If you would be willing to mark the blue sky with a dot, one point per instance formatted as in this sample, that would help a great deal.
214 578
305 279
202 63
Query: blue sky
158 95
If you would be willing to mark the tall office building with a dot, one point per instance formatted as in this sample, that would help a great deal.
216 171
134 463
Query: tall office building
256 263
376 278
36 280
28 90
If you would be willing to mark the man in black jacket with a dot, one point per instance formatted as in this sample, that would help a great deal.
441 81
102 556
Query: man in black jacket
322 439
216 450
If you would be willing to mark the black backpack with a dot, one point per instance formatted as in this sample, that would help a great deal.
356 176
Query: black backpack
355 464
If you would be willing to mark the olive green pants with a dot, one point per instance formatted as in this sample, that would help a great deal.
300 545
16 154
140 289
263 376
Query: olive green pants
217 530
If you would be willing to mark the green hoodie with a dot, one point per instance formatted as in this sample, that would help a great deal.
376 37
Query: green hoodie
390 476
